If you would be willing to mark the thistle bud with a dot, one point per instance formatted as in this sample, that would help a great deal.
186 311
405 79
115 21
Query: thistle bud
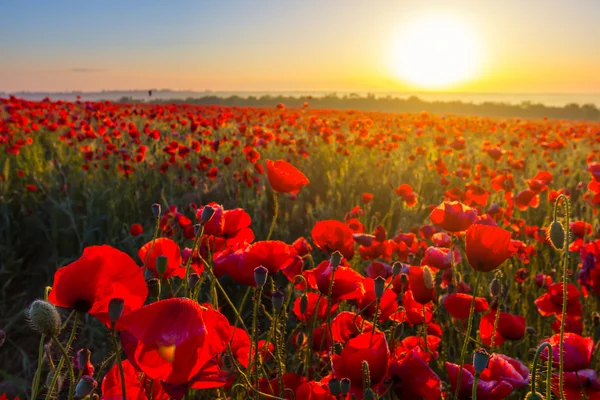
379 287
115 309
193 280
481 358
495 287
207 213
303 303
556 235
369 394
85 386
156 210
44 318
335 260
345 386
82 362
2 337
334 387
396 268
260 275
162 263
154 287
278 298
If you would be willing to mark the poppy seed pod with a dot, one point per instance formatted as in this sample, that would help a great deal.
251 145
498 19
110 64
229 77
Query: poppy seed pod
334 387
260 275
336 259
156 210
162 263
481 359
2 337
153 287
85 386
345 385
44 318
379 287
396 268
556 235
207 213
278 298
115 309
198 227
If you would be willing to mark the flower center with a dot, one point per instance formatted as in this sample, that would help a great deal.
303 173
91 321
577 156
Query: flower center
167 353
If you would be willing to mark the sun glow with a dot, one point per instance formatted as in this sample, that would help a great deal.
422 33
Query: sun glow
435 51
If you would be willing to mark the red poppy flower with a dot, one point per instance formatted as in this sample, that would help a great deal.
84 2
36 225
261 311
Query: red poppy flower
453 216
441 257
302 246
417 343
366 347
240 346
284 177
137 385
572 324
575 382
312 298
414 310
527 198
347 325
331 236
551 302
413 379
487 247
421 282
347 283
510 327
102 273
367 197
577 351
175 341
497 381
314 391
163 247
458 305
136 230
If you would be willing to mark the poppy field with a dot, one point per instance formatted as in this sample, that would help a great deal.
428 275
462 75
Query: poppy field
156 251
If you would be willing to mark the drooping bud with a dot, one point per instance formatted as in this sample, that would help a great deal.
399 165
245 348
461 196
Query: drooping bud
115 309
44 318
85 386
427 277
345 386
300 339
260 275
556 235
82 362
495 288
156 210
154 287
303 303
161 266
481 358
335 260
379 287
278 298
334 387
396 268
2 337
207 213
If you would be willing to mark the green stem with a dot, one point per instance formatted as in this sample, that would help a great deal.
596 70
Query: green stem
329 293
475 384
189 261
120 365
253 364
565 202
38 372
463 353
496 319
156 227
377 302
275 212
536 358
63 358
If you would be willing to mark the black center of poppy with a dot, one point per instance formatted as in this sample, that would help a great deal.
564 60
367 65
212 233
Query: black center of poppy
82 305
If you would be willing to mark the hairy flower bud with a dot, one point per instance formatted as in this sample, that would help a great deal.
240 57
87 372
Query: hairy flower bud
260 275
556 235
207 214
379 287
85 386
495 287
82 362
481 358
115 309
278 298
303 303
427 277
369 394
334 387
154 287
161 265
336 259
345 386
44 318
156 210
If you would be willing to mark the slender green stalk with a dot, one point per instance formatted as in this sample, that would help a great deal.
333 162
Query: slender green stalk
65 356
329 294
63 359
189 261
536 358
463 353
496 319
278 352
313 322
119 363
565 202
425 344
156 228
376 317
253 364
474 390
275 212
38 372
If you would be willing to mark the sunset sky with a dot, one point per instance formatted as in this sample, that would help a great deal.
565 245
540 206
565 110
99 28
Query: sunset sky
516 46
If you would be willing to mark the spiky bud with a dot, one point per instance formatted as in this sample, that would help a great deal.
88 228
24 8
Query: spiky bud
85 386
336 259
278 298
115 309
60 380
379 287
197 229
156 210
260 275
334 387
207 214
556 235
44 318
345 386
481 358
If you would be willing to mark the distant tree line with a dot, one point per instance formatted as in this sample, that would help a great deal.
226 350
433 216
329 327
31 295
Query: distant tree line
371 102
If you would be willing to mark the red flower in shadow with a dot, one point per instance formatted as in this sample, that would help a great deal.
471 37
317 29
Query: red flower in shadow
332 235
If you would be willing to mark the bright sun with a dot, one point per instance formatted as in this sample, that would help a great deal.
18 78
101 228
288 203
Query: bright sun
435 51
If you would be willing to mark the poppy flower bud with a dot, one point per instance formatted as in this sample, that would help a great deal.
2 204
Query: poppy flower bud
154 287
193 280
345 386
334 387
336 259
495 287
410 258
44 318
82 362
278 298
198 228
161 265
403 278
85 386
303 303
379 287
207 213
369 394
396 268
534 396
156 210
115 309
2 337
366 375
530 330
481 358
556 235
260 276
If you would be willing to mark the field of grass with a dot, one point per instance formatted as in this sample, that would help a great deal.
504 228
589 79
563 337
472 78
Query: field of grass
392 194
